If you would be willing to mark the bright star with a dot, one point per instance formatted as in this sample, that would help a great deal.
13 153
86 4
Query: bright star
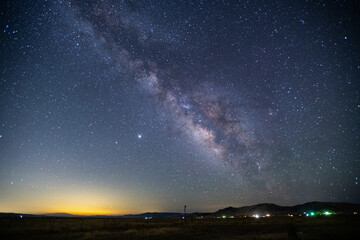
139 136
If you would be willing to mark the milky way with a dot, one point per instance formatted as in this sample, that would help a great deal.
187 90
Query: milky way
208 103
211 120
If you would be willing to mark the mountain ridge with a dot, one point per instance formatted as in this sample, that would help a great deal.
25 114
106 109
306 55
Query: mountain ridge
257 209
273 209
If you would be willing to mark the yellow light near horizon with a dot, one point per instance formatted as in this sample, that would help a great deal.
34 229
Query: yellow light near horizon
75 199
84 201
72 203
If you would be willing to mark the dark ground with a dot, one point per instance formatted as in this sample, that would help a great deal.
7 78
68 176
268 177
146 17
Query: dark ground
51 228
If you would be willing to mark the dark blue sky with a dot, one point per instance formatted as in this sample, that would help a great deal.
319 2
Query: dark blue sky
129 106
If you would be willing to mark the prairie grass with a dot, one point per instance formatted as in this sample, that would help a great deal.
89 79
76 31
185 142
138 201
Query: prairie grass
56 228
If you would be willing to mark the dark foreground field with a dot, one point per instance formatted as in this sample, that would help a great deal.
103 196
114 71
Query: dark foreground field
50 228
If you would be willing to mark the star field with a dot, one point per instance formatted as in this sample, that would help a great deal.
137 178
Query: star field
119 107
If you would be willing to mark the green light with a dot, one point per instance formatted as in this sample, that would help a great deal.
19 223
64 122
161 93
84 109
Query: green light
327 213
224 216
312 213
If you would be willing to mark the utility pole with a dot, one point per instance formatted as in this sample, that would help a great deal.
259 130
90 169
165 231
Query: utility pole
185 213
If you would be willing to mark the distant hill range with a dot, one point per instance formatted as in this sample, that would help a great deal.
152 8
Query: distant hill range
263 209
259 209
60 214
273 209
154 215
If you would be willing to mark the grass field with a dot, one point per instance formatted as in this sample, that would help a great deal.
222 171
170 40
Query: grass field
51 228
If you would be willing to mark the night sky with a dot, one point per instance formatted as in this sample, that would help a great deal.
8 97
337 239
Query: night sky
113 107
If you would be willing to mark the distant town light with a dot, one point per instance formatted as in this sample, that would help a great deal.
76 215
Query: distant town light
312 213
223 216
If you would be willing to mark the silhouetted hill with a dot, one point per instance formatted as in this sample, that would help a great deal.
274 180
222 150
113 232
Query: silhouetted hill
273 209
60 215
154 215
259 209
331 206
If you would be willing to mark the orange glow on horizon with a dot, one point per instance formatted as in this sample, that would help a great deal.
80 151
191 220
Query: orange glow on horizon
74 200
71 208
